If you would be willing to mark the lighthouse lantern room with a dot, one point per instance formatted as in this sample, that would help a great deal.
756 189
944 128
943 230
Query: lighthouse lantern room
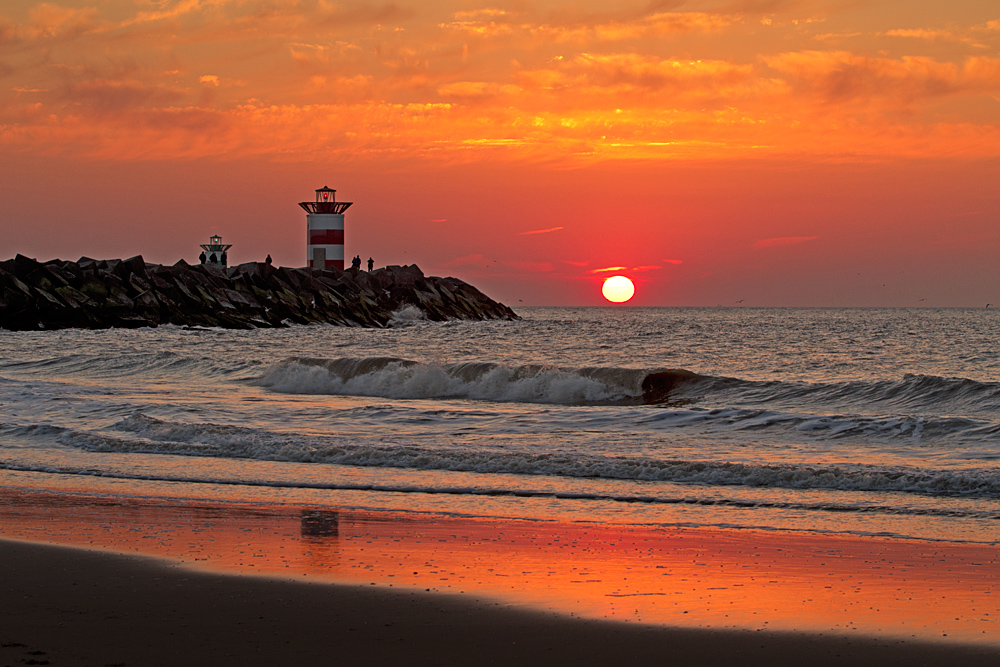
325 230
215 251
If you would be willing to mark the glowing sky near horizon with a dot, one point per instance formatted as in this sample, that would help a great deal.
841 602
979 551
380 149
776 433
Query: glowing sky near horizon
780 153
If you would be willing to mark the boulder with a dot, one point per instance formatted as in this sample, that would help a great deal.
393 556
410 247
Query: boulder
91 293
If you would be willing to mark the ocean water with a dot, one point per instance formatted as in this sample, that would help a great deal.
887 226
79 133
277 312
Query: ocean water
857 421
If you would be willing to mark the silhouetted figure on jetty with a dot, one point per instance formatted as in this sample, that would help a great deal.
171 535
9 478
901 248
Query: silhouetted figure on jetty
202 258
371 264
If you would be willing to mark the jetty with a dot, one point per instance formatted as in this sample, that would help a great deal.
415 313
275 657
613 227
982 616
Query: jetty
131 293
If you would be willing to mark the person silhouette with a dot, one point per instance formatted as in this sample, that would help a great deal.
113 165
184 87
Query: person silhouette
202 258
356 262
268 260
371 264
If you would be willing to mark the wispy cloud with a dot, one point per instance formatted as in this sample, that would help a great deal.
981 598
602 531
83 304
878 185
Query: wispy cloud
642 78
499 24
476 89
674 261
348 82
607 269
541 231
972 35
841 76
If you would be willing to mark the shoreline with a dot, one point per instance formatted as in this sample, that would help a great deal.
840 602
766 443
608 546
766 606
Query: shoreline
72 606
763 594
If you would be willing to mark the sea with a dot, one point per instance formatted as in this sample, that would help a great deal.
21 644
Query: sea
837 421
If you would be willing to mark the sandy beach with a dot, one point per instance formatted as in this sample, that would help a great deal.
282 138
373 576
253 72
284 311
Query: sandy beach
155 582
78 607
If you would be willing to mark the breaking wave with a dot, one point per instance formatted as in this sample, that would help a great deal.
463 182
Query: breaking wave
391 377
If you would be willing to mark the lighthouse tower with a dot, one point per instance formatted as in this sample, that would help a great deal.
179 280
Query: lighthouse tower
325 230
214 252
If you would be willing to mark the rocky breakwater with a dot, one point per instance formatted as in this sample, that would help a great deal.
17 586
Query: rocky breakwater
99 294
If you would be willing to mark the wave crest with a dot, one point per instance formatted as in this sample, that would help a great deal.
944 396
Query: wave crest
390 377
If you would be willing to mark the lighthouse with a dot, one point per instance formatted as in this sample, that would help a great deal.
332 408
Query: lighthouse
325 230
214 252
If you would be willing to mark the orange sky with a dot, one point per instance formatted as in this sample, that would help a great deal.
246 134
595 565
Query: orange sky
816 152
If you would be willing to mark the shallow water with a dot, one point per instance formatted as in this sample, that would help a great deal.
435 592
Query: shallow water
860 421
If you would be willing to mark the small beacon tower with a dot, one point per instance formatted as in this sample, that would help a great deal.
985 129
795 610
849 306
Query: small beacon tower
325 230
215 251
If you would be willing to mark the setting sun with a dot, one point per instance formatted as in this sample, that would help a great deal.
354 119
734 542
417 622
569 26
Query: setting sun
618 289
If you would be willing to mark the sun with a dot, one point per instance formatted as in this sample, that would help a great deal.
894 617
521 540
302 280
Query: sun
618 289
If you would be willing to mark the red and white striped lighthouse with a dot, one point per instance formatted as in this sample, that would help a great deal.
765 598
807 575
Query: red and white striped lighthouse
325 230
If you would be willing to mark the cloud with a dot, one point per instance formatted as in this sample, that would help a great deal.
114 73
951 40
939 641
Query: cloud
840 76
646 81
493 24
921 33
306 53
970 36
648 267
655 73
470 27
836 36
54 21
487 11
607 269
344 81
674 261
112 95
196 21
131 119
471 89
663 23
542 231
783 241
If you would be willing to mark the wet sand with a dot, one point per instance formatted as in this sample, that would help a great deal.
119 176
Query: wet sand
148 581
63 606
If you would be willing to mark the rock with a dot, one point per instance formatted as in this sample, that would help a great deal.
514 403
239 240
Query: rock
658 387
96 294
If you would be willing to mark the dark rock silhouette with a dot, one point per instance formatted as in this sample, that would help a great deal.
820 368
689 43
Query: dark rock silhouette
658 387
99 294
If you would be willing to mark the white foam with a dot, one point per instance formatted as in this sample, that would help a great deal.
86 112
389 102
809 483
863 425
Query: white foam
407 316
142 434
403 379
